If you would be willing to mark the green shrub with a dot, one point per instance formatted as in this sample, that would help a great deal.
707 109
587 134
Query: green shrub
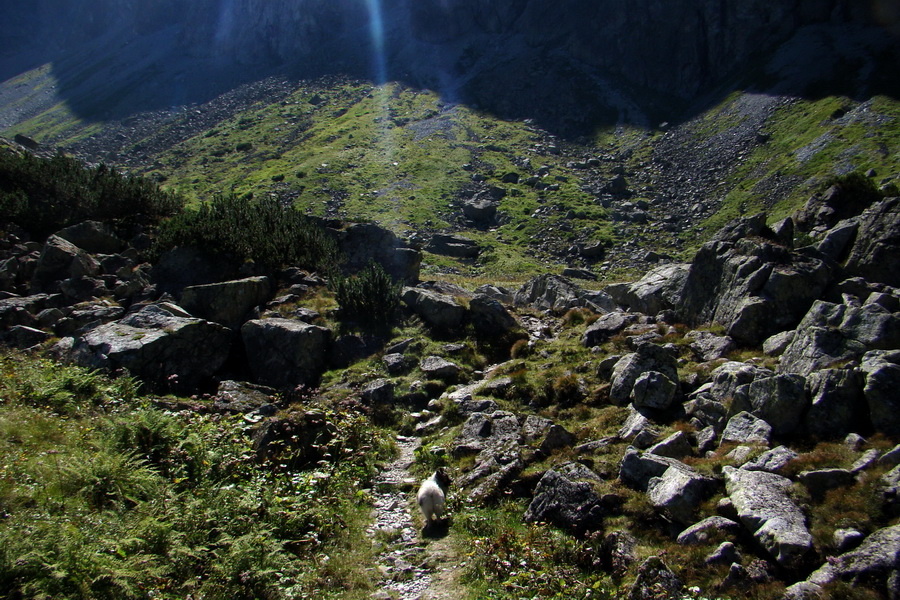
370 297
44 195
262 230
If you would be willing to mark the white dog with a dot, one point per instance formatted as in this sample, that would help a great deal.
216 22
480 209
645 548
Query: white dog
432 496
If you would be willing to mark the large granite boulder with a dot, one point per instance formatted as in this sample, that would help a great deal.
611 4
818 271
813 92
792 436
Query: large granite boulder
607 326
489 436
835 409
882 376
874 253
655 292
647 357
156 345
832 333
679 492
93 237
779 400
875 563
452 245
559 294
439 311
565 496
226 303
753 286
59 260
764 505
489 317
284 353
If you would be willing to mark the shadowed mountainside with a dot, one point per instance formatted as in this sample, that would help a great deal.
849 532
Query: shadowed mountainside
571 67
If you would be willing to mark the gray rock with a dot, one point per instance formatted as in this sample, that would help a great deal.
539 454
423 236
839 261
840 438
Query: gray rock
558 294
61 260
889 487
678 493
394 363
874 562
707 412
482 211
637 469
838 239
657 291
703 531
226 303
765 507
653 390
93 237
753 287
490 436
23 337
239 397
835 409
847 539
380 391
820 481
156 346
436 367
496 292
607 326
648 357
489 317
831 333
772 460
779 400
675 446
655 581
882 372
874 253
709 346
731 381
725 554
452 245
565 496
285 353
778 343
545 435
184 266
744 428
891 458
803 590
439 311
868 459
635 424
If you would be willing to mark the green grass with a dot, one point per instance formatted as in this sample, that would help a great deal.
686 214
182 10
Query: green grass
106 496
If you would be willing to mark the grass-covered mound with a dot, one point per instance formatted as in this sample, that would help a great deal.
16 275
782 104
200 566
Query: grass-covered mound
106 495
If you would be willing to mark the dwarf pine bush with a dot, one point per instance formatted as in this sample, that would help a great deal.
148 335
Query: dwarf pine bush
262 230
369 297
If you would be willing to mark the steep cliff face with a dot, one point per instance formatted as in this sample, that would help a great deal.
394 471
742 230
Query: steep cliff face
508 55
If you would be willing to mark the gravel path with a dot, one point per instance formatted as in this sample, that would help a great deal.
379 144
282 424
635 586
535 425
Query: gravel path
410 568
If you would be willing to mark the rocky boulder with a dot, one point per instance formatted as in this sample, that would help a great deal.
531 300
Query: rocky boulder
874 253
655 580
679 492
93 237
835 409
565 496
439 311
226 303
59 260
779 400
752 286
489 317
876 561
607 326
185 266
452 245
882 373
648 357
156 345
489 435
832 333
283 353
764 505
559 294
655 292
